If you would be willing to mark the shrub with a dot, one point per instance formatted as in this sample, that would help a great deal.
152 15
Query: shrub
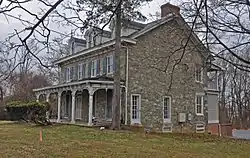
28 111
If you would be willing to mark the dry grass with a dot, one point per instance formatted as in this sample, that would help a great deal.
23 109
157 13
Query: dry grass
21 140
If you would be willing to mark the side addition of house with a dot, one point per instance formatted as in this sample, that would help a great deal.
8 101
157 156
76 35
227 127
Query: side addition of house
168 79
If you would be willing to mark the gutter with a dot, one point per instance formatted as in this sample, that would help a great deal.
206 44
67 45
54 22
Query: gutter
92 49
126 87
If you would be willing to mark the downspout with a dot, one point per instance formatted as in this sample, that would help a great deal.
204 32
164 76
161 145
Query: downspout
126 87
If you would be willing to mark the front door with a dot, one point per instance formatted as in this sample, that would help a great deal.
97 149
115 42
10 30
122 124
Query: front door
135 109
79 107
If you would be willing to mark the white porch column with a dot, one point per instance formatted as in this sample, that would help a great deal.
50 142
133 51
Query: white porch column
91 93
73 106
59 107
47 97
37 97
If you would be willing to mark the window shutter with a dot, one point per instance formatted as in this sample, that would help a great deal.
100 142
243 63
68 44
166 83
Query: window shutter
113 60
83 70
71 73
61 75
98 67
75 72
104 61
89 70
65 75
101 66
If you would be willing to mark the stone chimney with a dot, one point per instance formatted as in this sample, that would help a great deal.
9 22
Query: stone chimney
168 9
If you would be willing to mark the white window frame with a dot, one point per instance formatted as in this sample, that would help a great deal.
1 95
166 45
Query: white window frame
68 75
137 120
80 70
110 64
93 68
202 105
201 74
167 120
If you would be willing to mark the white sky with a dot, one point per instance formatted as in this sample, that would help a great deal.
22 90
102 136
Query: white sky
7 27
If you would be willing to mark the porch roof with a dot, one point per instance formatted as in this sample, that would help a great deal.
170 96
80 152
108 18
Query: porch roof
79 84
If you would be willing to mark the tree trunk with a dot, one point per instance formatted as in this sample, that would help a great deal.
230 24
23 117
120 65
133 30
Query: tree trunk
116 93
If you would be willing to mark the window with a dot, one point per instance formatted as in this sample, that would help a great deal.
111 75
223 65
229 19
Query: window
135 108
93 68
110 64
167 109
198 74
199 105
84 70
101 66
67 74
80 76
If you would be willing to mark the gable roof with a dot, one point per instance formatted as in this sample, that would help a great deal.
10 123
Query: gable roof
179 19
153 25
144 28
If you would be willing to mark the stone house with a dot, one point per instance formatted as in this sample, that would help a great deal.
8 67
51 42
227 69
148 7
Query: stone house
168 80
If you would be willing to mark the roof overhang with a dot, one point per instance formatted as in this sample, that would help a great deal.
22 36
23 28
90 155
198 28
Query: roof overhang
96 48
70 84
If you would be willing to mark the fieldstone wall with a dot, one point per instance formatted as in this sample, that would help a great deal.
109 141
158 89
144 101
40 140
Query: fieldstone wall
159 66
100 103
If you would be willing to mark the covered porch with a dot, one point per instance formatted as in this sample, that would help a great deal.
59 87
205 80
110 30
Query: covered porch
86 102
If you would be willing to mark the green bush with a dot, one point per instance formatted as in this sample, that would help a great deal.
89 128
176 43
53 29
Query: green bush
28 111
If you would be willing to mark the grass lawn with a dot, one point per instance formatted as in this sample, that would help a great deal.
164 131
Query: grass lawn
21 140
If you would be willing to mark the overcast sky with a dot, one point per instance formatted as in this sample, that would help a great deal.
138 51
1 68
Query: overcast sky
7 27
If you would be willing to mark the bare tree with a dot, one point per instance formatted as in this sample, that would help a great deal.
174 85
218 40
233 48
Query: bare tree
223 26
78 16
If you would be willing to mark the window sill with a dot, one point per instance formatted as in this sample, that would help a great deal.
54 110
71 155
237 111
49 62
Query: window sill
136 123
167 121
200 82
110 73
199 114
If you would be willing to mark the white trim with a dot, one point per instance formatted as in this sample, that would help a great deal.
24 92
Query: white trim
111 64
213 121
199 114
202 75
200 129
202 104
138 120
93 68
73 83
80 53
200 93
168 120
213 91
167 18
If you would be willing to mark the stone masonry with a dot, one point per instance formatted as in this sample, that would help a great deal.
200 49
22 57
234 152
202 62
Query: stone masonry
159 66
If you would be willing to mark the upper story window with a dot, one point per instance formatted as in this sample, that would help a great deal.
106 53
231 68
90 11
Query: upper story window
80 72
212 80
69 74
93 68
198 74
84 70
110 63
199 107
